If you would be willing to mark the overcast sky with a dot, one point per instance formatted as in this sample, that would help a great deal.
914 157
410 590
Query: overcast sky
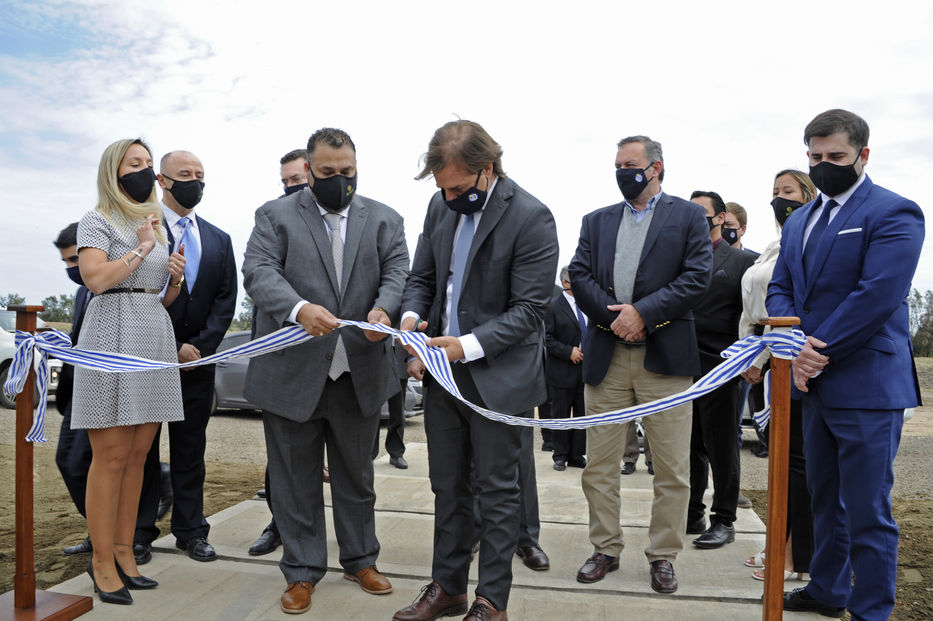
727 89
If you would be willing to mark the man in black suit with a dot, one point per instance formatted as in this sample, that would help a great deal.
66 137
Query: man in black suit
714 443
639 268
565 325
481 278
200 315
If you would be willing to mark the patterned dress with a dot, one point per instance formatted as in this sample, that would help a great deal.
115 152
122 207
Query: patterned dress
127 323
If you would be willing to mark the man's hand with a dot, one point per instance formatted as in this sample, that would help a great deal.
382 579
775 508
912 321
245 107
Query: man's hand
377 315
809 363
409 325
576 356
450 344
628 325
316 320
188 353
416 369
753 375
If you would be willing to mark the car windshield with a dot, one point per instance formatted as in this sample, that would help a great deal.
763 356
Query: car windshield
8 320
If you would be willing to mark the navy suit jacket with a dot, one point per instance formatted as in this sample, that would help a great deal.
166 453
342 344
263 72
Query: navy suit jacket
561 334
673 273
65 390
201 317
855 297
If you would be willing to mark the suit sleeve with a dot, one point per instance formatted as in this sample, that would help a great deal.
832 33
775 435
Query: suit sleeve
588 294
677 297
223 306
394 273
884 282
534 262
264 271
420 288
554 347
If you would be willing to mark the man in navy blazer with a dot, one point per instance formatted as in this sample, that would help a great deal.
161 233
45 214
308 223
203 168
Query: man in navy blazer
640 267
200 315
845 268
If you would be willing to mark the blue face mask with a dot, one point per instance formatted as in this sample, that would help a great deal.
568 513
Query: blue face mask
75 275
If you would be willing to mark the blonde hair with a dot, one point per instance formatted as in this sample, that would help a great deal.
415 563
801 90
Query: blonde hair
111 202
807 188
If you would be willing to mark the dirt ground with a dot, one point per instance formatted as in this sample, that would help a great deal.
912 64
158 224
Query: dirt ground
233 477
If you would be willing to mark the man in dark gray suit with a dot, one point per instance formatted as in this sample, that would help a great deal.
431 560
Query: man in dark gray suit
481 278
316 255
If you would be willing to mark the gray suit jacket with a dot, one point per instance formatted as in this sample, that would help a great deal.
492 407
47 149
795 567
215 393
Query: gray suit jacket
288 259
508 284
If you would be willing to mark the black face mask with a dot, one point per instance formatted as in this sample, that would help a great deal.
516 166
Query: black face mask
75 275
186 193
833 179
709 221
632 181
138 185
730 235
783 207
291 189
334 193
469 202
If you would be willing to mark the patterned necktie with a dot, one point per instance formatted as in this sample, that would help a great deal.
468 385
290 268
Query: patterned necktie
339 363
816 234
582 321
192 253
461 251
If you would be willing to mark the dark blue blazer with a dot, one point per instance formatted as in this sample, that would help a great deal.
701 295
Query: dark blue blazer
65 390
673 273
201 317
855 297
561 335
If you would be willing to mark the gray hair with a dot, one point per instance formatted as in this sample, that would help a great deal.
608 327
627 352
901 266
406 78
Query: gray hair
652 150
565 273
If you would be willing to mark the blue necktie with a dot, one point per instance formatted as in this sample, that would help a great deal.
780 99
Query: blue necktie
192 253
461 251
582 321
816 234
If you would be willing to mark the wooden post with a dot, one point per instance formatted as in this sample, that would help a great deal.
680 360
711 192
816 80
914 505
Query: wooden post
778 462
26 602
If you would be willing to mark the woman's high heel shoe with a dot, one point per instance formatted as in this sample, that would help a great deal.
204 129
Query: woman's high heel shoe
120 596
135 582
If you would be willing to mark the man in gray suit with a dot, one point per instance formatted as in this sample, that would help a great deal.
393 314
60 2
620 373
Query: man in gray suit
480 282
313 256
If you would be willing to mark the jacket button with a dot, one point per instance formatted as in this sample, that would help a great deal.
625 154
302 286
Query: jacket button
329 355
806 310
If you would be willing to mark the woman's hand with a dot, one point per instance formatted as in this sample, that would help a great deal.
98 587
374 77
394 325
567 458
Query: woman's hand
753 375
145 232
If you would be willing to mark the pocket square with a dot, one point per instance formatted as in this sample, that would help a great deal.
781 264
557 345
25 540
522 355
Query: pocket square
847 231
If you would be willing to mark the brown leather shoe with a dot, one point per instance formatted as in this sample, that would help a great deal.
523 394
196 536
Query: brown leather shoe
297 597
596 567
433 602
663 579
371 580
533 557
482 610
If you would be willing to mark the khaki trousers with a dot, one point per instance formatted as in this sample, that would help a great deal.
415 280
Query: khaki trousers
627 383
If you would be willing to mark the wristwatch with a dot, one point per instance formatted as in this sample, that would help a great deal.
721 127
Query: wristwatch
180 282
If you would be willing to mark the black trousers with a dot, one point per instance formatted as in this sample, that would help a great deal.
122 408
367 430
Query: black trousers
461 442
569 444
395 429
73 458
545 410
187 443
714 444
799 515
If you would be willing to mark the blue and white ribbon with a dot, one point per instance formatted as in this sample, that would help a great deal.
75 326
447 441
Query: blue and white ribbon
739 357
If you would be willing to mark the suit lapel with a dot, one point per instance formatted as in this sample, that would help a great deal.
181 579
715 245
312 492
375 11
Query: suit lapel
445 245
497 205
356 221
568 312
608 234
658 220
308 211
719 256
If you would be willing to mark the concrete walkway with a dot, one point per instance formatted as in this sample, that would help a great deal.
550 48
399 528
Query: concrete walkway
714 584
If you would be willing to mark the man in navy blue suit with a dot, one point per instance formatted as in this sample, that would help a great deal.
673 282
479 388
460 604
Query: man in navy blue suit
200 315
845 268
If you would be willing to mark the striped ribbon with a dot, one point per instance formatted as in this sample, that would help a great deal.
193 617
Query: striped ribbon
738 358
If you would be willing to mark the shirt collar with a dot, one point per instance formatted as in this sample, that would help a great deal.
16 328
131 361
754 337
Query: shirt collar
652 202
171 218
342 214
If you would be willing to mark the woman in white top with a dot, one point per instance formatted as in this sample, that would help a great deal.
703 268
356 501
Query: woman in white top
792 189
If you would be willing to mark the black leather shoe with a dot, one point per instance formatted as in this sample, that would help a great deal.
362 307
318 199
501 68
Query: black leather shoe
799 599
198 549
261 493
399 462
650 465
120 596
166 496
82 548
596 567
716 536
560 466
267 542
142 552
628 467
533 557
663 579
135 582
580 462
696 528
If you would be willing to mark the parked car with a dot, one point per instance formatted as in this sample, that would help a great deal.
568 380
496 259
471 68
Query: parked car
8 348
231 376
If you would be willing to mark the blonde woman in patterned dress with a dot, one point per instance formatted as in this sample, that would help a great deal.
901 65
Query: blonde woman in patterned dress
124 260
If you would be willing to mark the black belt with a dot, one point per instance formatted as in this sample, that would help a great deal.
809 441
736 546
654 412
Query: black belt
132 290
